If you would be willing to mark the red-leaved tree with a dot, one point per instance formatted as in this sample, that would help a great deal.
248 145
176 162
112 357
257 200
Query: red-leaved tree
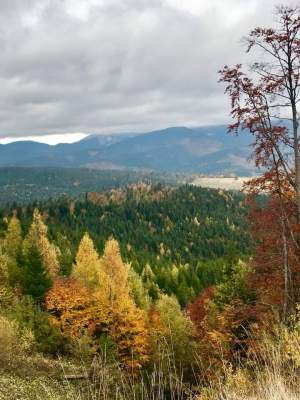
268 93
264 101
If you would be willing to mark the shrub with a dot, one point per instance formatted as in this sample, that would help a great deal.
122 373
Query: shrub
15 343
48 338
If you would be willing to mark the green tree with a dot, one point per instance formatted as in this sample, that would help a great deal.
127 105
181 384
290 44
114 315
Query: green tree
175 336
137 290
33 277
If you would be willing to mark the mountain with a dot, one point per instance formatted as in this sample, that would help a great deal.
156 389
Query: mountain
208 150
205 150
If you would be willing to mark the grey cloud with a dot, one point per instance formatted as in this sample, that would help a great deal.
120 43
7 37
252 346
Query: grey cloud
117 65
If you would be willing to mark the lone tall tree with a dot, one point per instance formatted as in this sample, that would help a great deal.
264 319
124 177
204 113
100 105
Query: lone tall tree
268 94
264 101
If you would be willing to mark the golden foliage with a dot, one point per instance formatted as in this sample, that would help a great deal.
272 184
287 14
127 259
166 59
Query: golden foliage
114 274
128 330
4 262
97 301
14 342
87 266
37 235
13 237
128 327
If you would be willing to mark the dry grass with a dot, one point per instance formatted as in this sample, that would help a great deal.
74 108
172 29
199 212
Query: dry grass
272 374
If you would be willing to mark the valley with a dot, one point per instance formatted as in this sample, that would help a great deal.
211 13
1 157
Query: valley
220 182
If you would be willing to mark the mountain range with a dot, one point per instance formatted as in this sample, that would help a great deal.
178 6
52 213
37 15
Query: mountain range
207 150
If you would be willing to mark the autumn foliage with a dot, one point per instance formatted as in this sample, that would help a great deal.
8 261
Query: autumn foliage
96 301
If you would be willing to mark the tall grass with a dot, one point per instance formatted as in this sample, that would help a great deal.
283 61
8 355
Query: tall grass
272 372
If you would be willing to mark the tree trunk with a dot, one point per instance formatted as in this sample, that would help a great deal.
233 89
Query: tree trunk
285 269
297 160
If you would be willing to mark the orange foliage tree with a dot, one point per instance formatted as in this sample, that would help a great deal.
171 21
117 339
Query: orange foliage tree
71 306
106 307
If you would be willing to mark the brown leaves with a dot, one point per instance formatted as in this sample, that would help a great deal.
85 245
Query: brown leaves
198 309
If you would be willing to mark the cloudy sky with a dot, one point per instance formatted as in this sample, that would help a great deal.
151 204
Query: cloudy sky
74 67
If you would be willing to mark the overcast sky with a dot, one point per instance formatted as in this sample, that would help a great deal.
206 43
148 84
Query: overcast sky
74 67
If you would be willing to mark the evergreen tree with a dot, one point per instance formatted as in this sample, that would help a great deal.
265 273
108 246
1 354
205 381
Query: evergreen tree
65 256
33 277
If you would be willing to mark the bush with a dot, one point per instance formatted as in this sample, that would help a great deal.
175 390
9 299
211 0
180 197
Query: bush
15 344
48 339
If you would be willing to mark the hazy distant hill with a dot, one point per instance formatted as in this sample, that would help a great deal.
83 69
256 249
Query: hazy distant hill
24 185
179 149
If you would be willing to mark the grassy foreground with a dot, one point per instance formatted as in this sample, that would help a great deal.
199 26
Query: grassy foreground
273 375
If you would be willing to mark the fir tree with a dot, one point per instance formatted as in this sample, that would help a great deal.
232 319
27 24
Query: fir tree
34 279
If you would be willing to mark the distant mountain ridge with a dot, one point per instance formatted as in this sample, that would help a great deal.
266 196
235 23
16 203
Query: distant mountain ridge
207 150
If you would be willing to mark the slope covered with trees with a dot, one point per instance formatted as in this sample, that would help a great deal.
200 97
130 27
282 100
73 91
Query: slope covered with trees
24 185
180 240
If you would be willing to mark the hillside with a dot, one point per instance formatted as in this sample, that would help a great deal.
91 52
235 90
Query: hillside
208 150
24 185
117 286
192 232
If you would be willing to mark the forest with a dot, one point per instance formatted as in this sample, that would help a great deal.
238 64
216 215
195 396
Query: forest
23 185
183 238
121 273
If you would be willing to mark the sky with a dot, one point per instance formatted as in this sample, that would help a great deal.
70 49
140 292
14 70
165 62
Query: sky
69 68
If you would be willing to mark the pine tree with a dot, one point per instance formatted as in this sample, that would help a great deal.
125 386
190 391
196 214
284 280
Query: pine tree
87 265
33 276
65 257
